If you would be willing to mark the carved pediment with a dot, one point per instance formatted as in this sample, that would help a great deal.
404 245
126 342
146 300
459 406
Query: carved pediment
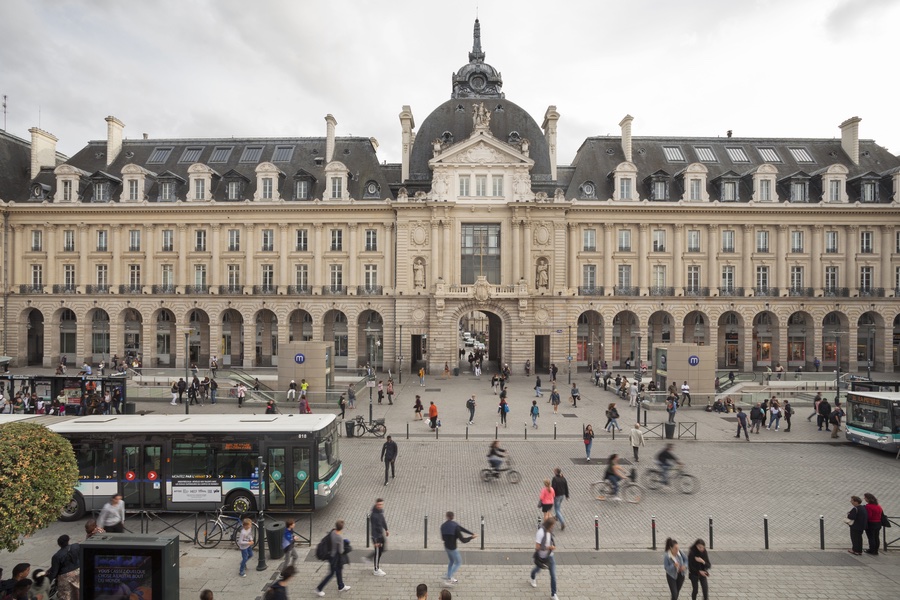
481 151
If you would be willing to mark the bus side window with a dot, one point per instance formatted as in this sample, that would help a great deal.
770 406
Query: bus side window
104 467
84 456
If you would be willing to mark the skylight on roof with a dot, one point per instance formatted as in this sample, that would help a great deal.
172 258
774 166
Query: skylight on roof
283 154
160 155
706 154
220 154
191 155
801 155
737 154
251 154
769 155
673 154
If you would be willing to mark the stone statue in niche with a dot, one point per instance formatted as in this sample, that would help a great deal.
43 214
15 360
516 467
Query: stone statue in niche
419 274
542 277
481 117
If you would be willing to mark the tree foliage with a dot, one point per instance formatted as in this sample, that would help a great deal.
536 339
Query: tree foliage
37 474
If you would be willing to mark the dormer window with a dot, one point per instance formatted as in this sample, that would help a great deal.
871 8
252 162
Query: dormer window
764 183
167 190
102 185
135 180
868 186
695 183
587 190
268 178
798 186
101 191
159 155
336 187
624 178
659 185
371 190
729 186
200 182
233 190
191 154
235 184
337 175
303 185
68 183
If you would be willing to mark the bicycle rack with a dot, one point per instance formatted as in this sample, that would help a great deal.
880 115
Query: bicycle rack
171 523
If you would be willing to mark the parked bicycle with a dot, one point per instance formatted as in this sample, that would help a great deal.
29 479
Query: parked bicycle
210 533
683 482
376 427
629 490
512 475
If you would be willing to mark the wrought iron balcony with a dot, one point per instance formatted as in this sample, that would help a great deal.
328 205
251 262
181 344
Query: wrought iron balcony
299 290
659 290
64 288
696 291
31 288
234 248
836 292
196 289
765 291
590 291
369 290
334 290
163 289
626 290
97 289
871 292
131 289
731 291
231 289
264 290
800 291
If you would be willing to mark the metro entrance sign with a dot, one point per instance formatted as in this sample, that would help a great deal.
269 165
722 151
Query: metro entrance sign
299 358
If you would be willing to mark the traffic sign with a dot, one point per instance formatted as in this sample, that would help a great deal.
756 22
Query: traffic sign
299 359
693 360
152 475
130 475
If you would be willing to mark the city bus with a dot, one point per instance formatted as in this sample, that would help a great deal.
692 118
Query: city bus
200 462
873 419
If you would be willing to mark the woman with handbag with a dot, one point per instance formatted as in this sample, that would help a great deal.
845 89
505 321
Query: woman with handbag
543 554
876 518
547 497
858 521
675 563
588 441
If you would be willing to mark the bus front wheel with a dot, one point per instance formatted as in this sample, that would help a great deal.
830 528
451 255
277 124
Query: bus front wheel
241 502
74 510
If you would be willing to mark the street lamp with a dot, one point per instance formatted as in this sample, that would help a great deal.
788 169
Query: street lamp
187 364
870 350
569 355
400 358
837 370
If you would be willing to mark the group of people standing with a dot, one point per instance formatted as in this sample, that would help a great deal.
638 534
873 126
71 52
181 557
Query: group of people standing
868 519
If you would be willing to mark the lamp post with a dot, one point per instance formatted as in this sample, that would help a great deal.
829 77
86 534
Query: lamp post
569 355
187 364
837 370
870 350
400 358
262 469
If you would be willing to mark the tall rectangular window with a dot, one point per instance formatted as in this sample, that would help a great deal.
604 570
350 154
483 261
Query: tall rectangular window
625 188
762 241
729 191
268 240
37 240
799 191
624 240
865 278
796 277
134 276
659 240
464 181
658 276
102 240
589 276
337 240
200 189
590 240
267 188
301 189
481 185
268 277
762 278
167 191
167 276
133 190
831 278
695 189
371 275
200 240
834 190
869 191
727 278
301 277
896 281
624 276
200 276
660 190
234 240
336 276
693 240
693 278
67 191
371 240
302 240
37 276
865 242
101 191
831 242
68 240
796 241
728 240
233 190
134 240
497 183
765 190
69 276
337 187
168 240
102 276
234 276
897 242
480 253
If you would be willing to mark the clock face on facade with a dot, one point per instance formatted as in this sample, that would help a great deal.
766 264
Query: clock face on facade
588 189
477 82
36 190
372 188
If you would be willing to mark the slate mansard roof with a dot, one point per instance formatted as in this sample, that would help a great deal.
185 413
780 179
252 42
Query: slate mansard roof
15 167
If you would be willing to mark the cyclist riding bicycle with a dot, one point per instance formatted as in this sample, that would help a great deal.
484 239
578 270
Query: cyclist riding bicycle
495 457
614 474
666 460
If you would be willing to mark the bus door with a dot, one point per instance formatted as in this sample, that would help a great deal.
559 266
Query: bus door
290 483
140 476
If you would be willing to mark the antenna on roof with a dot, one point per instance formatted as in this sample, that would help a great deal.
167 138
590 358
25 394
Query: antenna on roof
729 133
4 112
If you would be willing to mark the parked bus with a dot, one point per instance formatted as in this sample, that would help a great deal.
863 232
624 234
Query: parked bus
200 462
873 419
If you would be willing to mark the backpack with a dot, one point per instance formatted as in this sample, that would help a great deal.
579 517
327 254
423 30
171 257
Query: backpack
470 403
323 548
535 410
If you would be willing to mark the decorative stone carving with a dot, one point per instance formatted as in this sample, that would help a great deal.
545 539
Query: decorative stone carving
419 236
541 315
440 185
541 235
482 289
421 196
418 315
419 273
402 195
481 154
559 195
542 274
481 116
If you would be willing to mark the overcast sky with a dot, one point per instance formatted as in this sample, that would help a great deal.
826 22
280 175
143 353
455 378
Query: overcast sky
258 68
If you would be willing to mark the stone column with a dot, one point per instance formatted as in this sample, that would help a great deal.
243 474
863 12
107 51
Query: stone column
284 251
183 248
318 251
115 242
83 275
249 255
516 249
609 274
52 270
149 266
748 280
712 275
354 255
572 258
678 257
850 350
643 265
780 352
449 248
215 269
389 278
527 258
748 346
851 278
435 252
815 256
886 280
781 265
249 346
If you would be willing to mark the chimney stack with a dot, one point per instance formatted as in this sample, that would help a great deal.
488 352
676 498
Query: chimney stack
146 136
329 141
549 127
850 138
625 124
114 129
407 124
43 150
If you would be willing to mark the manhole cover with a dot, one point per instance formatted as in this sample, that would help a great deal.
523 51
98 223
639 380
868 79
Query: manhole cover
570 415
433 390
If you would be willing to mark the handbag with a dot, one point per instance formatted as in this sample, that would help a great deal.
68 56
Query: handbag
848 521
542 562
885 522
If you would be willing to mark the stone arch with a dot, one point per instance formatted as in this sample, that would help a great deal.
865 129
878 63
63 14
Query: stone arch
232 344
731 341
370 339
131 332
164 328
589 339
626 330
870 341
98 334
300 326
801 331
31 337
335 331
65 343
696 328
835 350
265 338
765 339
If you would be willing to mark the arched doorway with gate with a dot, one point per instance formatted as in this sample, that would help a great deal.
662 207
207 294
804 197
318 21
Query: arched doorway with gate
485 339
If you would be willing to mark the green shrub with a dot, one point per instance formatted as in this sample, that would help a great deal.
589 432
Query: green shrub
37 474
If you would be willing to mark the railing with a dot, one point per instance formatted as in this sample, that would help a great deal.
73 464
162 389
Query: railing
871 292
836 292
299 290
131 289
234 248
264 290
800 291
162 289
662 291
334 290
97 289
696 291
765 291
623 290
196 289
31 288
731 291
369 290
231 289
64 288
590 291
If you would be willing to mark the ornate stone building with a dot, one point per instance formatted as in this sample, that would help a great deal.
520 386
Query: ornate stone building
770 249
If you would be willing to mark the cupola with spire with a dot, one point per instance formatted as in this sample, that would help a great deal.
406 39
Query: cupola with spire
477 79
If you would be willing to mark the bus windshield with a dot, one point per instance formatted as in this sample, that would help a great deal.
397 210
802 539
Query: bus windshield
328 453
871 417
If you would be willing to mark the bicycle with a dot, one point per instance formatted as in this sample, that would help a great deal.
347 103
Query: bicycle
376 427
491 474
629 490
210 533
683 482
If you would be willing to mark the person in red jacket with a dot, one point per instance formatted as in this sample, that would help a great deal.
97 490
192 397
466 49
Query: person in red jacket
873 528
433 415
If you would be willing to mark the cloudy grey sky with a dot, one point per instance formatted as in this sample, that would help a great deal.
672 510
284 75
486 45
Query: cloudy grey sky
207 68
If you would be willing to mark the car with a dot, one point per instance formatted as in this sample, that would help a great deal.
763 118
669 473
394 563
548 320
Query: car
468 342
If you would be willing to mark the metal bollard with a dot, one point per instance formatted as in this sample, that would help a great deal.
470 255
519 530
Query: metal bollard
596 532
645 417
766 530
482 532
653 530
467 432
614 433
368 528
496 429
407 431
426 531
710 533
437 431
526 431
821 532
554 430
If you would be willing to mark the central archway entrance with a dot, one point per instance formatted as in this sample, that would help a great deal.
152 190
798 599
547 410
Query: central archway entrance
480 335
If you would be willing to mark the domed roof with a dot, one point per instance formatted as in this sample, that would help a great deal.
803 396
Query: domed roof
477 79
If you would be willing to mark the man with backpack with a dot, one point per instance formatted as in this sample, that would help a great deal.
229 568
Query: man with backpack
389 453
379 536
824 414
535 413
335 558
470 406
835 419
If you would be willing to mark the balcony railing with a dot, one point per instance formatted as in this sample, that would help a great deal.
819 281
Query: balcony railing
662 291
765 291
64 288
299 290
731 291
234 248
369 290
97 289
836 292
163 289
334 290
590 291
131 289
231 289
196 289
871 292
31 288
626 290
696 291
264 290
800 291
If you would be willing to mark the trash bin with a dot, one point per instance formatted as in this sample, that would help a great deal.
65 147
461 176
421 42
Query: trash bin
456 371
274 537
129 408
670 431
350 425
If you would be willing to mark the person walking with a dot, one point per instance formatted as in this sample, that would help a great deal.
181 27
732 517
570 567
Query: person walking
698 569
335 560
245 544
787 411
576 395
112 515
742 423
824 413
637 440
774 415
289 543
756 417
292 390
65 568
389 456
432 415
380 391
633 394
555 400
182 388
547 496
278 590
451 533
835 419
495 383
537 387
875 517
560 492
672 408
675 564
351 397
390 391
241 393
342 403
543 555
685 394
816 402
379 537
470 406
174 391
421 376
535 413
588 437
858 520
612 416
417 409
503 410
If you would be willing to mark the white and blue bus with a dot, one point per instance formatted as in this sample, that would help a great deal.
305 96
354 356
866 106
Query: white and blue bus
873 419
200 462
